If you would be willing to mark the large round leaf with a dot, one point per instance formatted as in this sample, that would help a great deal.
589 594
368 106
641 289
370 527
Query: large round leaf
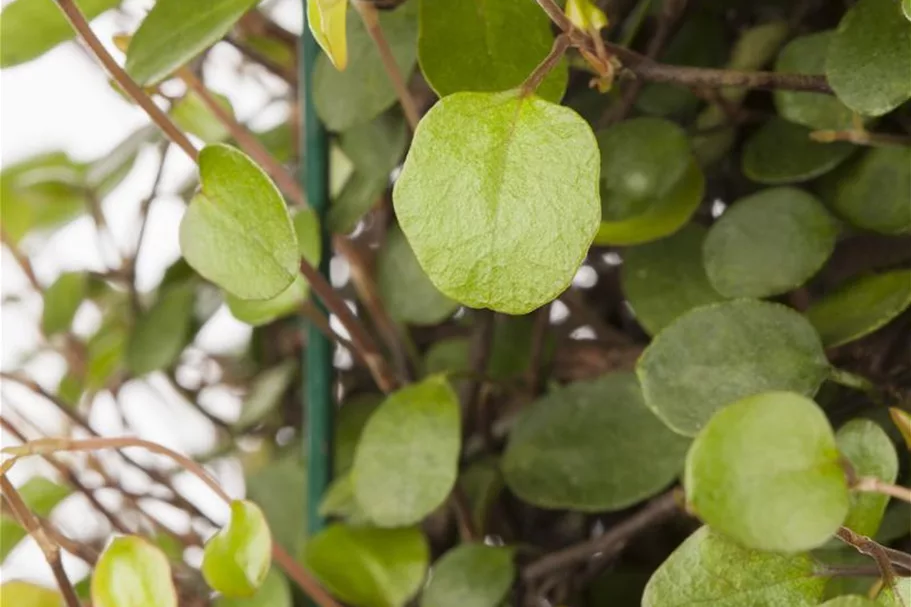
407 457
709 569
870 57
766 472
470 575
861 307
715 355
499 198
238 557
807 55
768 243
407 292
650 182
237 231
782 152
131 572
471 45
591 446
872 192
663 279
369 567
871 453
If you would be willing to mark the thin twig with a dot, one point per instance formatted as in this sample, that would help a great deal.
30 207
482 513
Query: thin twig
48 547
371 21
885 557
275 68
462 510
871 484
22 260
862 137
531 84
479 357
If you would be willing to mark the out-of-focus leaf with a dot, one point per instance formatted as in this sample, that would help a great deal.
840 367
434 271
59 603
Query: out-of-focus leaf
19 593
265 394
871 453
40 495
161 334
470 575
61 300
275 592
326 19
132 573
237 558
192 115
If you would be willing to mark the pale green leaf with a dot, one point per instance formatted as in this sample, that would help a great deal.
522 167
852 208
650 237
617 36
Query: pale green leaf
275 592
369 567
897 594
470 575
754 347
237 231
765 471
265 394
18 593
258 312
472 46
407 457
175 31
768 243
339 502
854 600
405 289
708 569
30 28
238 557
861 307
350 420
192 115
498 198
585 15
869 57
132 572
61 301
326 19
363 90
870 452
665 278
161 333
584 447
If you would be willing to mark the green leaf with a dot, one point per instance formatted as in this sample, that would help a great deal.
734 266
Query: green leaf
872 192
482 482
473 46
897 595
350 420
105 352
861 307
665 278
768 243
765 471
174 32
650 183
237 558
708 569
448 356
782 152
906 8
369 567
376 147
265 394
902 421
755 347
18 592
192 115
360 194
108 171
584 447
30 28
470 575
61 301
339 502
868 448
237 231
41 495
279 488
853 600
807 55
407 457
869 58
161 334
275 592
363 90
326 19
498 198
132 572
405 289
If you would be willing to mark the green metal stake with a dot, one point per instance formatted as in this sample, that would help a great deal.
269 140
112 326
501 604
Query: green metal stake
318 408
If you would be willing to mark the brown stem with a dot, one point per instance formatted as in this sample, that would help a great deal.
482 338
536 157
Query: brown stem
862 137
50 549
462 511
479 356
288 75
655 512
884 557
371 21
531 84
22 260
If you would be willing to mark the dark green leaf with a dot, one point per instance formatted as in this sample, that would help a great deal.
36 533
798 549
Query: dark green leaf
132 573
61 301
376 147
161 334
360 194
755 347
498 198
584 448
868 448
237 558
279 489
470 575
473 46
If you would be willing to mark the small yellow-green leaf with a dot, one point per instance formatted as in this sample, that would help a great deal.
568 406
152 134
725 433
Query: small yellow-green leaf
237 558
407 457
275 592
326 19
237 231
61 301
470 575
768 243
755 347
175 31
161 334
902 421
132 573
18 593
765 471
861 307
868 448
709 569
498 198
369 567
192 115
585 15
472 45
869 57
